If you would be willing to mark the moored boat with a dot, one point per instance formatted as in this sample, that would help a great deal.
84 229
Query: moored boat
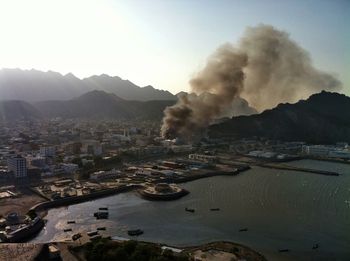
283 250
189 210
101 215
101 228
135 232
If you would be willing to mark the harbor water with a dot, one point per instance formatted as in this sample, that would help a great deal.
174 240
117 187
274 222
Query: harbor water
280 209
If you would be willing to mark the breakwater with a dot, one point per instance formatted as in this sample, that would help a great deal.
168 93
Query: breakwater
209 174
292 168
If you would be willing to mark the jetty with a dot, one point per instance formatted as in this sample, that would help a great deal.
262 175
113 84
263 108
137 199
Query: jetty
293 168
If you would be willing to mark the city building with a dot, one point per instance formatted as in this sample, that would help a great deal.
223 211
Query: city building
326 151
69 167
18 165
92 147
47 151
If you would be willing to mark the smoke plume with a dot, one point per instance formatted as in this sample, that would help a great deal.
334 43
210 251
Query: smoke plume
265 68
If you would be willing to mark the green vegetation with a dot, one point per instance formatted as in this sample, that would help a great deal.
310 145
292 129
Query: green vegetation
107 250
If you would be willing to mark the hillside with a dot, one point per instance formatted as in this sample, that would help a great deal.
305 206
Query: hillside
17 110
33 86
126 89
102 105
323 118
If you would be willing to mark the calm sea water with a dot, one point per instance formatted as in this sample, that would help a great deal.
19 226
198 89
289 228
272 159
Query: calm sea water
281 209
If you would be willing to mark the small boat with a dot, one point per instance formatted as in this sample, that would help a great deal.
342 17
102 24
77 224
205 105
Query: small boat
71 222
283 250
243 230
67 230
215 209
101 215
135 232
315 246
103 209
189 210
101 228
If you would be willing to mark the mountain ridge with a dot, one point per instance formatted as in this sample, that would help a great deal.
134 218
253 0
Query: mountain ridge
322 118
99 104
34 85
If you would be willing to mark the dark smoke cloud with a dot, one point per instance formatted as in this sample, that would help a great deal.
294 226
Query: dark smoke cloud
266 68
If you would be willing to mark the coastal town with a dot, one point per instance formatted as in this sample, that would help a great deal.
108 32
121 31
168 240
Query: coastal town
48 164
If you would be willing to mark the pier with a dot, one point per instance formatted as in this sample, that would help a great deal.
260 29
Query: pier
292 168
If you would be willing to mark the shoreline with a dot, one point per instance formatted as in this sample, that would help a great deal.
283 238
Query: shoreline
46 205
42 208
228 246
241 250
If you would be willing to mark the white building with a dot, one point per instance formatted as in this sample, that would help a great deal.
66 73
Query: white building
342 154
326 151
18 165
317 150
93 147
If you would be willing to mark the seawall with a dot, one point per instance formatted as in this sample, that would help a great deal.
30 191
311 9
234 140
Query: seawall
292 168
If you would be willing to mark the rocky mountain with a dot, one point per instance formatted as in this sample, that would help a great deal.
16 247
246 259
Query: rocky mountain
126 89
33 86
322 118
101 105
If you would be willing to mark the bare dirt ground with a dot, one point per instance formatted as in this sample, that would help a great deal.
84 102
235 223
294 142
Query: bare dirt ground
19 252
20 204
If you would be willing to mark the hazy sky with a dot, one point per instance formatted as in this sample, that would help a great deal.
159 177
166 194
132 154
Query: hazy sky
161 42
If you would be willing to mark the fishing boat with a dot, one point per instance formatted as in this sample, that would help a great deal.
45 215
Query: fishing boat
283 250
101 228
135 232
189 210
101 215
